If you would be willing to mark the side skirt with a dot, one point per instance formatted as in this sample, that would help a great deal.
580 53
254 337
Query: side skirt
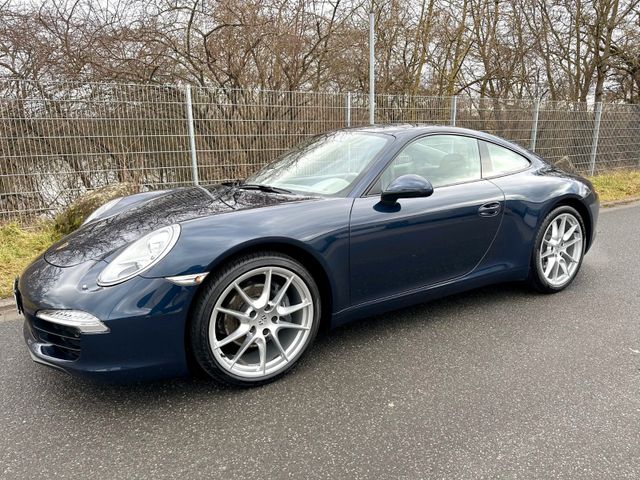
414 297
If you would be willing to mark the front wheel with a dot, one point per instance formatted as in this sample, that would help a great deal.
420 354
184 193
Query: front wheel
558 250
255 319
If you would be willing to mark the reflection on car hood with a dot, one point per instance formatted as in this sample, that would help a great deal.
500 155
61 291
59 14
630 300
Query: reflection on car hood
96 240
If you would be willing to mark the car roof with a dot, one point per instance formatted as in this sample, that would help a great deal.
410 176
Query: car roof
408 130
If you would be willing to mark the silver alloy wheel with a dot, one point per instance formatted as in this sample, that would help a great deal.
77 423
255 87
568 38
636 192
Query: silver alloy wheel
261 322
561 250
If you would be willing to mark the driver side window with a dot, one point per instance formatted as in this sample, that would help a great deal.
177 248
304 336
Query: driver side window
441 159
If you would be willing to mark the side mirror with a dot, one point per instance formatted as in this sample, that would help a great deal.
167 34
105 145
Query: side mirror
406 186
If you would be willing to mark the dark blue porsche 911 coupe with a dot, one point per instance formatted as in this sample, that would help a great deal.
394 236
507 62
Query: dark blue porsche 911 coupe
235 279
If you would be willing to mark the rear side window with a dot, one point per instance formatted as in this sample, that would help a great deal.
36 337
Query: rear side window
502 160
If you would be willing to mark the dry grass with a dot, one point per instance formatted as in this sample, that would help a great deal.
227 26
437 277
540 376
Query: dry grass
617 185
18 246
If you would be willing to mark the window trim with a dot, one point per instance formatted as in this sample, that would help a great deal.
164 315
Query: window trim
486 158
367 191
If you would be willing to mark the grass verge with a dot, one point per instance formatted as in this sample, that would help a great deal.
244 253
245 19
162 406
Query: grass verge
619 185
18 246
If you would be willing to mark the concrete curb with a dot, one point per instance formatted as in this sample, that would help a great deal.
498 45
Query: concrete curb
6 302
9 304
624 201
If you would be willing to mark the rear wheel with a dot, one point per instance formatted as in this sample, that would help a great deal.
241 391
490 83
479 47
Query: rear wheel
255 319
559 250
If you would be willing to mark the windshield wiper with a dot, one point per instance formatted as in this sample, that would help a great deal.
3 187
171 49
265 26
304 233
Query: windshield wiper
262 188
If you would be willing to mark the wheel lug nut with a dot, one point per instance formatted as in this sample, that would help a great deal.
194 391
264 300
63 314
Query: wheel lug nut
265 332
274 319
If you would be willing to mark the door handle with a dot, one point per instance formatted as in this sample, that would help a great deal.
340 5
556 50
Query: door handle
489 209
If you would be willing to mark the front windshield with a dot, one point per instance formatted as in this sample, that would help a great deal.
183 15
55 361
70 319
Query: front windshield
326 165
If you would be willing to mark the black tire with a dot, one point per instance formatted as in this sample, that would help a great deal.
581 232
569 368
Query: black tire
198 330
536 276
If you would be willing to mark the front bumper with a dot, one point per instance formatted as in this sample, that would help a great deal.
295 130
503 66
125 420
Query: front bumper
146 320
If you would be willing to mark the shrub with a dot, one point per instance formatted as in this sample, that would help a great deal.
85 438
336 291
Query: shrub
73 216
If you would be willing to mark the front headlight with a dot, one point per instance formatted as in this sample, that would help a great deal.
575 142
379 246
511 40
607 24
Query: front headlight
101 210
140 255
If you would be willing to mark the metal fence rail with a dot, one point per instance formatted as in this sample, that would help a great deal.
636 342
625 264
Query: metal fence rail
59 140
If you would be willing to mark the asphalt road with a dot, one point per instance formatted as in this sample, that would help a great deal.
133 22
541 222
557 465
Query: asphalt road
496 383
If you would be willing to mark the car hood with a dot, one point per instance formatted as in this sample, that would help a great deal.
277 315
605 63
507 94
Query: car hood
96 240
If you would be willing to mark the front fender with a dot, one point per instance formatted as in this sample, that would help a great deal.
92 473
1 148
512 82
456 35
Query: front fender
320 229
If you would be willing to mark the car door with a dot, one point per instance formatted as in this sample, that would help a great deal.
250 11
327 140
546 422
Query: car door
424 241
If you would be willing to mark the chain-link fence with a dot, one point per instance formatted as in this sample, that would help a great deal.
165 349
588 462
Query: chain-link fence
59 140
